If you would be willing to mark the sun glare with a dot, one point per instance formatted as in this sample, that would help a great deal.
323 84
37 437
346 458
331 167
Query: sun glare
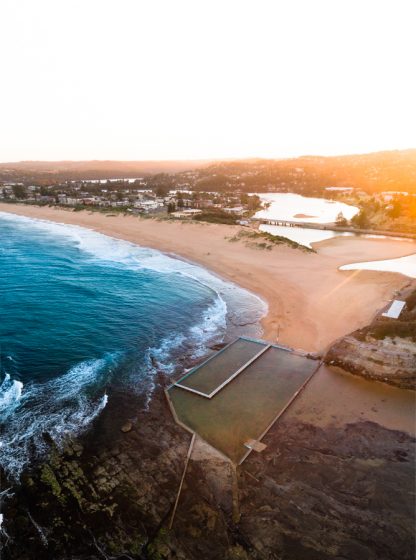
184 79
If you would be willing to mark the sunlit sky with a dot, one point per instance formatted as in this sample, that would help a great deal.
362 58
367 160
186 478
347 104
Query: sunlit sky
182 79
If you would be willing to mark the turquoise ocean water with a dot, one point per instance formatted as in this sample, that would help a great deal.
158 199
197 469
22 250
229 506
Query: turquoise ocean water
81 312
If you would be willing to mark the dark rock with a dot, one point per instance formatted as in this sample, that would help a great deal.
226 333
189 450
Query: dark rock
314 494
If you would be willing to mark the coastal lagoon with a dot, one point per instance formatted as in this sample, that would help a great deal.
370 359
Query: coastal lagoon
304 236
308 236
297 208
402 265
83 313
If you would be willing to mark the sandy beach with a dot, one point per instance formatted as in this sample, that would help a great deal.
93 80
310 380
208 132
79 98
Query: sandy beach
310 301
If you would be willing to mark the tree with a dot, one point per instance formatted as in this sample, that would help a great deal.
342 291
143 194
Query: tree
179 196
340 220
361 220
254 202
162 190
171 207
396 209
19 191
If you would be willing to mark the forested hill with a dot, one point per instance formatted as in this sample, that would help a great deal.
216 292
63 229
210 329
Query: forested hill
376 172
94 169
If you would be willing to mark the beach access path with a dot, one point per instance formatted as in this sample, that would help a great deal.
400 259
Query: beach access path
311 302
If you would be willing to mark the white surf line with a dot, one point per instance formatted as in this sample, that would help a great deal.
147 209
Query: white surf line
233 376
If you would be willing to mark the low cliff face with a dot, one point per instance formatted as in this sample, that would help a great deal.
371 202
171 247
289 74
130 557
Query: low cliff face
392 360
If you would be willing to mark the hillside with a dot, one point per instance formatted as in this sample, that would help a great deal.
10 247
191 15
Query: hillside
376 172
384 350
372 173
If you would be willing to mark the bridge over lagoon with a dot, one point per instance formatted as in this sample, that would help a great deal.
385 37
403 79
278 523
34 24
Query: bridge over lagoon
332 227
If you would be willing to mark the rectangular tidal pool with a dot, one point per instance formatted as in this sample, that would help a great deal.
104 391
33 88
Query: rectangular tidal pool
244 408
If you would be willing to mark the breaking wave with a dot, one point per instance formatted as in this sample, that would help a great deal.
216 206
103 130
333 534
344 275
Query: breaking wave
242 309
37 411
60 408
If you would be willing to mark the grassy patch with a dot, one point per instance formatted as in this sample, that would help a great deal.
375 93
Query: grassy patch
264 240
400 329
216 217
404 327
48 477
411 301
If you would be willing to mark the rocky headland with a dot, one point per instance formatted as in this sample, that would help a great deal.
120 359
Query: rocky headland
390 360
317 492
335 482
385 350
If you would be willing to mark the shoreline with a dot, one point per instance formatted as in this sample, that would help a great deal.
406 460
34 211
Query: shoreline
128 464
305 292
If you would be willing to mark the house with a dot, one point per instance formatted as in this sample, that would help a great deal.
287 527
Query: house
238 210
147 205
189 213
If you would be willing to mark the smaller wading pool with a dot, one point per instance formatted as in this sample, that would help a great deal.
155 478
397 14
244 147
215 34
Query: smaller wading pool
237 394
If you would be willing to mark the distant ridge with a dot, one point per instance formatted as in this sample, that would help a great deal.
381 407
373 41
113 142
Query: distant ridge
106 167
174 166
393 170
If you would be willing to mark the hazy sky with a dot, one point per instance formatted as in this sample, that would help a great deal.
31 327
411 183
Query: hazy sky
154 79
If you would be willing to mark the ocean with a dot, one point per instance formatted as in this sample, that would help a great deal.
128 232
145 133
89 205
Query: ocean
82 313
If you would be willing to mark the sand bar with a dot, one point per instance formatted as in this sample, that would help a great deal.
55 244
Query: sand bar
311 301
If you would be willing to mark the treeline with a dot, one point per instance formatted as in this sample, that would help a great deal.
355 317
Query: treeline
309 175
399 214
372 173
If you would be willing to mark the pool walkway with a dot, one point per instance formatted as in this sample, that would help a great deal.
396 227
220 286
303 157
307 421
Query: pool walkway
234 397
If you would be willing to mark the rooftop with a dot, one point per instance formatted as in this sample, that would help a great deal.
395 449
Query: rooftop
396 307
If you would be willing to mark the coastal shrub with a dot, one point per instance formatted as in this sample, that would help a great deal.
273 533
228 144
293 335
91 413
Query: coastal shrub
259 245
279 239
361 220
216 217
262 236
361 334
411 301
400 329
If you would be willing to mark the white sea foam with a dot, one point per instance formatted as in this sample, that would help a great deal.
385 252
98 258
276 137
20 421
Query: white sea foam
213 321
60 407
240 306
10 394
4 495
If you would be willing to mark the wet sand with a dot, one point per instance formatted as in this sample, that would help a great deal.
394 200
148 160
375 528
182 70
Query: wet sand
311 303
335 398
